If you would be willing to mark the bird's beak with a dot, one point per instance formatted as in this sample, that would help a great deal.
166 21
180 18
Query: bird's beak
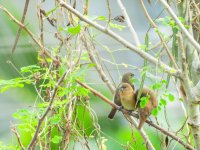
121 89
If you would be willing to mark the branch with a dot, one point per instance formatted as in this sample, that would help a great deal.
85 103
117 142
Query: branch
35 137
97 64
196 90
193 108
105 99
20 28
143 134
178 22
128 21
121 40
13 129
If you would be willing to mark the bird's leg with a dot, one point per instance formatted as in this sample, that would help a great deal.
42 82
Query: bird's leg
120 108
129 112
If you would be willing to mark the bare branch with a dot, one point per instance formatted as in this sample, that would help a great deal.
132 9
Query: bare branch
18 137
128 21
20 28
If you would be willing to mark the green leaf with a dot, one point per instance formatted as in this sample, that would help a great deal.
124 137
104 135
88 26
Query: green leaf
55 119
171 97
154 112
101 18
73 30
116 26
156 86
56 139
51 11
159 108
30 68
144 100
22 114
7 87
163 101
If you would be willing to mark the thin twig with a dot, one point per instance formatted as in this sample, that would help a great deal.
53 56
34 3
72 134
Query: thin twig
97 65
143 134
20 28
105 99
18 137
129 24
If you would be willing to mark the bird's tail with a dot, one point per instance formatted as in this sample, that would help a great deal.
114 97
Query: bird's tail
112 113
141 122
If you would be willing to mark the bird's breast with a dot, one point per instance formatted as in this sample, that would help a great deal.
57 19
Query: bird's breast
128 102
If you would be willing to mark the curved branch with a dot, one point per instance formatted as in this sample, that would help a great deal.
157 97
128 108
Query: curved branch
128 21
20 28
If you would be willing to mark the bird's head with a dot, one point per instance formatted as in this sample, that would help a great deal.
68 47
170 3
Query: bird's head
127 77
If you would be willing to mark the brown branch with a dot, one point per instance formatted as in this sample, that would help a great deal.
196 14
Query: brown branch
13 129
97 64
35 137
51 21
105 99
20 28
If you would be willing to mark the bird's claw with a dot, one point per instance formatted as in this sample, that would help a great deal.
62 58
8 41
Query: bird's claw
130 112
120 108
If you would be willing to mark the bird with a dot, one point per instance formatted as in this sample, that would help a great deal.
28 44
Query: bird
126 78
126 94
152 103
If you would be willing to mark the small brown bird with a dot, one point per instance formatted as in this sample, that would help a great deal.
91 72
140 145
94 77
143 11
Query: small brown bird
125 79
126 94
152 103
